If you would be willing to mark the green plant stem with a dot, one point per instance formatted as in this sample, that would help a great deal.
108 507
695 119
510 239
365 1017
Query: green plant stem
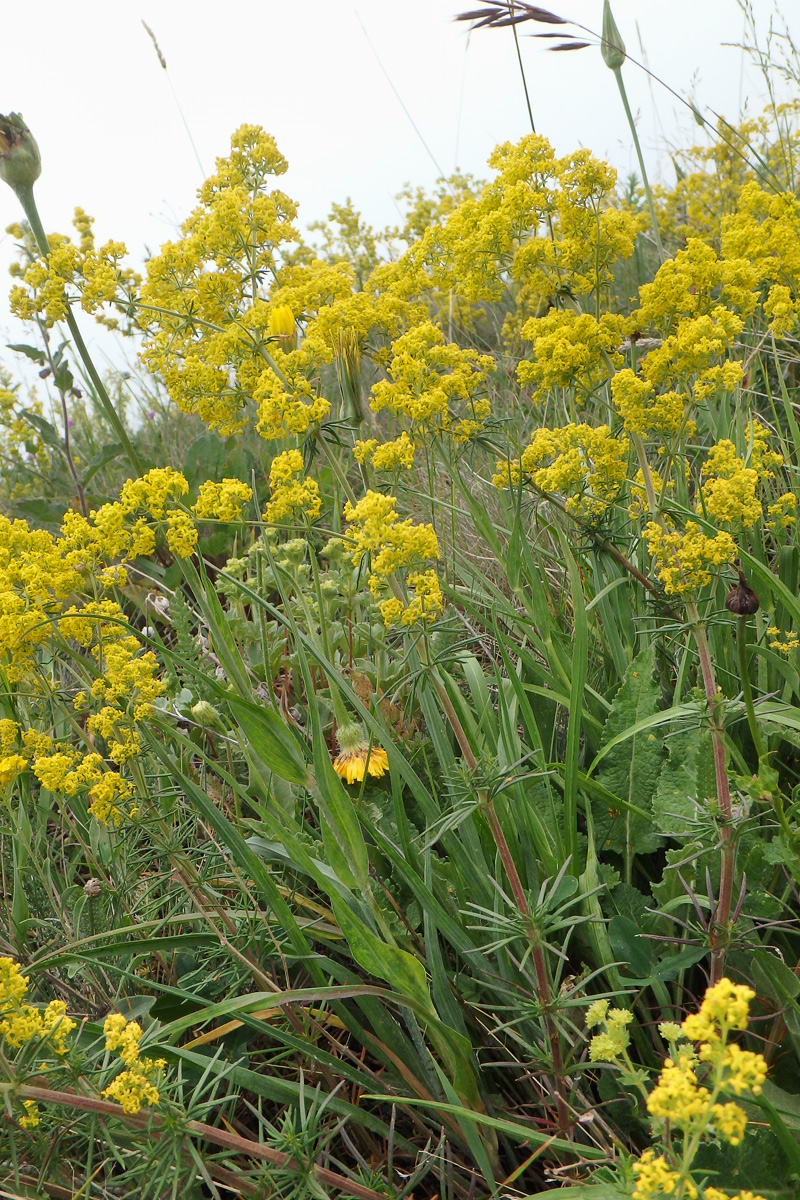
747 691
646 183
28 203
522 71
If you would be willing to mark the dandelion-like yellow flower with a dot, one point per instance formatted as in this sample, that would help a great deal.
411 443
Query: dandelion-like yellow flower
281 322
356 758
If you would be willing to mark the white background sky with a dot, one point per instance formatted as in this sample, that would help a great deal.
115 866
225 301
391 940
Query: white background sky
87 80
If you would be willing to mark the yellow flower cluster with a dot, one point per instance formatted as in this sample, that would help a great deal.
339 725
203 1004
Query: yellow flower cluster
201 302
614 1038
426 602
386 456
291 402
47 285
782 643
765 229
64 769
684 561
136 1085
434 385
153 491
729 493
655 1178
221 501
115 531
646 412
586 465
542 221
293 498
698 302
377 532
21 1023
680 1104
571 350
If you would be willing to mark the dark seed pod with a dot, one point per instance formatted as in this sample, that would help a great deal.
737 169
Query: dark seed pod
742 600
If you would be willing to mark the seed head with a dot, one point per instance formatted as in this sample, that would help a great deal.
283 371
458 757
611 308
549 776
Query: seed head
742 600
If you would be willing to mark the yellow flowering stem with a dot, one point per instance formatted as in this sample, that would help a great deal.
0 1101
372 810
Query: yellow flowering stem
28 203
747 691
154 1123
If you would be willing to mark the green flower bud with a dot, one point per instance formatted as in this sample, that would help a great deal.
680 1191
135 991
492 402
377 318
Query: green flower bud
205 714
613 47
20 161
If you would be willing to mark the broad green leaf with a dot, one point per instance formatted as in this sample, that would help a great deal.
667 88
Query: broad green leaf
272 740
398 968
632 768
675 800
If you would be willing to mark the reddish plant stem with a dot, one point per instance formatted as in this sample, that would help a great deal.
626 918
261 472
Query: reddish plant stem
218 1137
720 920
520 899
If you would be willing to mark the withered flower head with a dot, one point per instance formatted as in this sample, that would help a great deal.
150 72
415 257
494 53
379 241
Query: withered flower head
742 600
20 161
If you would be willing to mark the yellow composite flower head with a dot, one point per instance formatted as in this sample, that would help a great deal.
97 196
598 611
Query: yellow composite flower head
356 758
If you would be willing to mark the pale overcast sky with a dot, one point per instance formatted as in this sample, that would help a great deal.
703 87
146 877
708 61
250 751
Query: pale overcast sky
87 80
